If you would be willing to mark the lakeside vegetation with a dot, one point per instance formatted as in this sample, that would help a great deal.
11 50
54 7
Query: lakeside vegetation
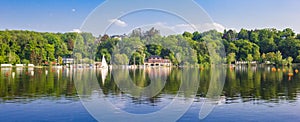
280 47
40 48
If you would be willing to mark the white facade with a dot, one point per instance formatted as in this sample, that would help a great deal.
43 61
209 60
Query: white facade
30 65
6 65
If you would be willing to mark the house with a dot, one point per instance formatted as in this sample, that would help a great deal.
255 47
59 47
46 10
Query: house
68 61
6 65
157 61
30 65
20 65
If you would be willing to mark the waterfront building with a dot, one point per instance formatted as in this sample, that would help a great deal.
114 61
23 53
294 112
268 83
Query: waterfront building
157 61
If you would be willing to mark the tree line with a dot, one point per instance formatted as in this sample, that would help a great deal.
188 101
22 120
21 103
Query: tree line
264 45
279 47
42 48
261 45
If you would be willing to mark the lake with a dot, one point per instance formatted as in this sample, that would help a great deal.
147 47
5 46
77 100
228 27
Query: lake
240 94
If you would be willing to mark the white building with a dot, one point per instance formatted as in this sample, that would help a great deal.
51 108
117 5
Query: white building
68 60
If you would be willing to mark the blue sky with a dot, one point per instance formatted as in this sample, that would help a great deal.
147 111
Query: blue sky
254 13
66 15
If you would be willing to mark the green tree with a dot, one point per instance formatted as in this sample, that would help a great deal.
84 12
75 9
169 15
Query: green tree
271 57
263 57
286 33
249 58
256 55
154 49
298 36
137 59
13 58
78 57
187 34
245 47
60 60
50 49
254 37
298 59
266 43
2 59
25 61
230 35
243 34
290 61
230 58
289 47
232 48
278 57
120 59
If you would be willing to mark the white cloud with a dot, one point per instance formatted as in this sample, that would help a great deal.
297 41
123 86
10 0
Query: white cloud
118 22
180 28
199 27
218 27
76 30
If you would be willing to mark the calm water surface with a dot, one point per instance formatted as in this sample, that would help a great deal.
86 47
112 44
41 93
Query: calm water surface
249 94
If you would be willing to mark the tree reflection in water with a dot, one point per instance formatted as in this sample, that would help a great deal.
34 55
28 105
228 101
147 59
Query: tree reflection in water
248 84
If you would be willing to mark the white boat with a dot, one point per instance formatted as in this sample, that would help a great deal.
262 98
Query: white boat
104 64
104 73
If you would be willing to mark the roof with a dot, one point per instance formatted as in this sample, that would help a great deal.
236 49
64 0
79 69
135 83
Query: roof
154 56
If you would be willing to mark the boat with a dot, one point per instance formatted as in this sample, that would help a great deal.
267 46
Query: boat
104 63
104 72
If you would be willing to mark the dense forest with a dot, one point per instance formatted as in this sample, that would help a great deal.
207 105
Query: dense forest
275 46
41 48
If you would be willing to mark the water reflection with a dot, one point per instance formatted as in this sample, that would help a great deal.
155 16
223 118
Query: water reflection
247 84
261 83
141 90
25 85
257 85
